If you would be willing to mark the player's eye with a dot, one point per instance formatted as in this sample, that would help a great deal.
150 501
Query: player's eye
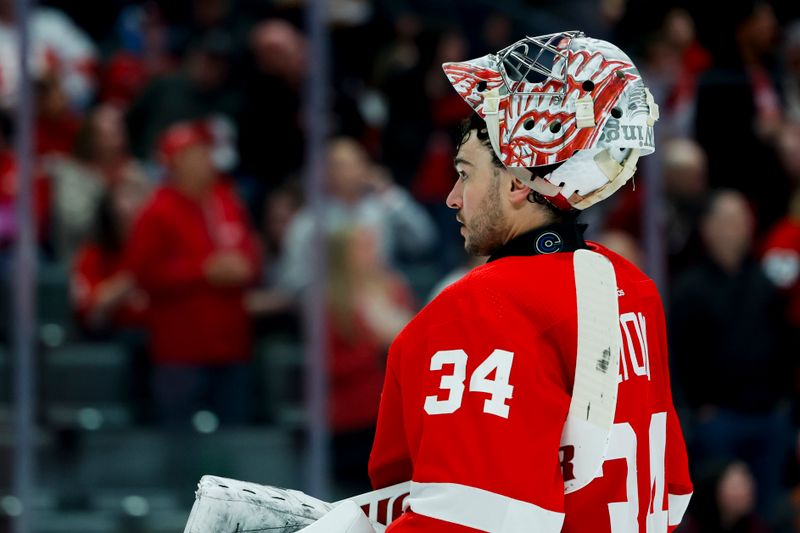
462 175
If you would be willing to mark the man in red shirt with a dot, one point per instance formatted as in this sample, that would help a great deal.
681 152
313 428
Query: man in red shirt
533 395
193 252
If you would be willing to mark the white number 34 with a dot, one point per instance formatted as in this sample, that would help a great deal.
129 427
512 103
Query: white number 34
498 388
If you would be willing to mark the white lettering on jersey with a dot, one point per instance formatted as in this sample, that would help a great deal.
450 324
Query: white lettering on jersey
633 361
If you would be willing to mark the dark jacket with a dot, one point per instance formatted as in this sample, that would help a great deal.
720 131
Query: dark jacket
727 338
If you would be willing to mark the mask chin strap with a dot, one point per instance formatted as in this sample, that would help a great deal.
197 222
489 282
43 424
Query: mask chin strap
536 183
491 115
617 175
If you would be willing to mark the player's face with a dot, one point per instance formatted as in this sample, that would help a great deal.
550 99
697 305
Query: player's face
477 197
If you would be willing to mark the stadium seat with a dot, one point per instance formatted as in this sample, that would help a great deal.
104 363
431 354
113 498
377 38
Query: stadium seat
6 391
87 385
44 444
134 460
72 522
87 373
144 479
280 363
5 377
53 305
54 315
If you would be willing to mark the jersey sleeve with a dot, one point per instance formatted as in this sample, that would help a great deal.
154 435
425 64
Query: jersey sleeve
484 395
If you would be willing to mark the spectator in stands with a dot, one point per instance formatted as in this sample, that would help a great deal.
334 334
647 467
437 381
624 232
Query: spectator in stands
400 76
447 113
780 255
781 248
623 243
743 79
142 53
277 70
42 191
194 253
434 171
198 17
684 171
200 89
724 501
674 60
107 304
727 344
368 305
58 47
56 124
360 193
100 159
274 308
280 208
103 293
497 31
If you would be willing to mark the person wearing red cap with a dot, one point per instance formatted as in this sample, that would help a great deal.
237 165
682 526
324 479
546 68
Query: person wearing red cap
194 252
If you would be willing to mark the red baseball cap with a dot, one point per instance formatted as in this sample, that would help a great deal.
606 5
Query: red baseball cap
181 136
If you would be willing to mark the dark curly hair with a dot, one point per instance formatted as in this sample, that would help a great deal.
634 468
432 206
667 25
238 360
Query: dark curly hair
478 125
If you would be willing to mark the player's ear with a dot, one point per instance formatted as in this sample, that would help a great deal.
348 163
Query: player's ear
518 192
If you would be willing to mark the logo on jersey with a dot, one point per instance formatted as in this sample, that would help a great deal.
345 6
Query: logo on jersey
549 243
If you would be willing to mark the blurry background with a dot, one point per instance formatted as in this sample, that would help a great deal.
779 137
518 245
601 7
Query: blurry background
174 242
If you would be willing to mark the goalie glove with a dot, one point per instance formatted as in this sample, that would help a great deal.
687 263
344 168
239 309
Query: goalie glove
227 506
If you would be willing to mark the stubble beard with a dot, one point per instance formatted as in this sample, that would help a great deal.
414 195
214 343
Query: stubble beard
483 234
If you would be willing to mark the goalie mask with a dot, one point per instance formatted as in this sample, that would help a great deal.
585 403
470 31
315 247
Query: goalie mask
562 99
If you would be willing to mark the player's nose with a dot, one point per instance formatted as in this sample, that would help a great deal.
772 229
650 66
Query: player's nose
454 199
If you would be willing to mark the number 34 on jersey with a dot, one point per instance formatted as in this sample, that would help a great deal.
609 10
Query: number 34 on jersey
635 362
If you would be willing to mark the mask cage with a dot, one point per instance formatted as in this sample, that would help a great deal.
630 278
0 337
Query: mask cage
536 60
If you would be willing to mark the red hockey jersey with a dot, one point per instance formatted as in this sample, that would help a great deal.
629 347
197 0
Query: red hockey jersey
477 390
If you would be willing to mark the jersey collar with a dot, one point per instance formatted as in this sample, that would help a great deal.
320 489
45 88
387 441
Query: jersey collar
560 237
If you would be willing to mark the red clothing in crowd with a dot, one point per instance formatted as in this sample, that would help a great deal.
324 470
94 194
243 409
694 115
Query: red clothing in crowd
192 321
93 265
357 369
8 196
56 135
781 254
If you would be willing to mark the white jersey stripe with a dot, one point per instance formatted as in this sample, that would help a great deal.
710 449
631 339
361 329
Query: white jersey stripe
480 509
677 504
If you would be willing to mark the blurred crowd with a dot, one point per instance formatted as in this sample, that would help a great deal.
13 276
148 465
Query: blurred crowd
169 143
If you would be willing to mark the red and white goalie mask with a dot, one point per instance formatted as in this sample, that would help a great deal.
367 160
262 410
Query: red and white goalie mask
565 99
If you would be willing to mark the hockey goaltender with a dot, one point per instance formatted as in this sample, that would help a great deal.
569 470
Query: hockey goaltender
533 395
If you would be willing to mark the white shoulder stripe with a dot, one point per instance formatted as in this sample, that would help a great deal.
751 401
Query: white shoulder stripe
677 505
480 509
